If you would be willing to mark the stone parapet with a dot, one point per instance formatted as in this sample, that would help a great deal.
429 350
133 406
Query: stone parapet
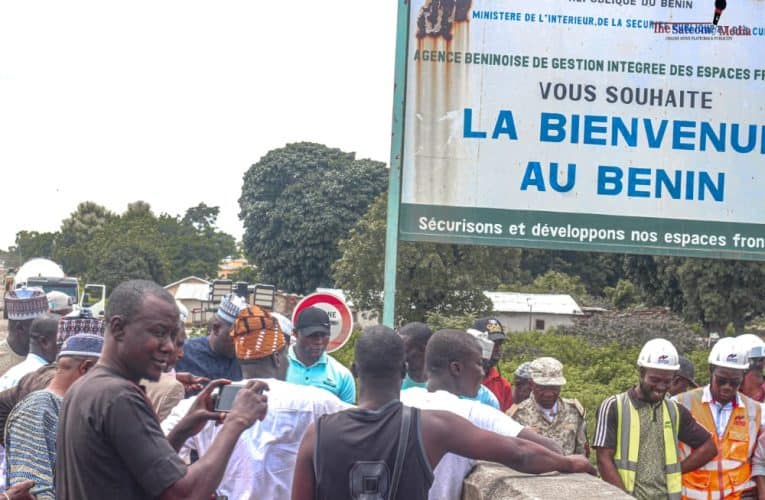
490 481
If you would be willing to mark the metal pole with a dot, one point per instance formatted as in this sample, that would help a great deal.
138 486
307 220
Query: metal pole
396 154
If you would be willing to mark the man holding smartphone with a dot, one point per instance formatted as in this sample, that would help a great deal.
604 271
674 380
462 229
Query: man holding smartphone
109 442
263 460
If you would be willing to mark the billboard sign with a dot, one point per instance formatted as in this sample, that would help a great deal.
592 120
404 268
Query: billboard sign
606 125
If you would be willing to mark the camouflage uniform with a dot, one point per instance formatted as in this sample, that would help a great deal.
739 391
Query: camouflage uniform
566 426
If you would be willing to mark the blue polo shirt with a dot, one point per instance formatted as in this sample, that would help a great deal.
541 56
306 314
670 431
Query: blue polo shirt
408 382
485 396
327 373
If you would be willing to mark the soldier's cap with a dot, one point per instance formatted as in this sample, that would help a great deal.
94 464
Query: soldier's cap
686 371
547 371
524 371
492 327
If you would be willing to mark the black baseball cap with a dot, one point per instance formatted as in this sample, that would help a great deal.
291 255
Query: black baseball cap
492 327
312 320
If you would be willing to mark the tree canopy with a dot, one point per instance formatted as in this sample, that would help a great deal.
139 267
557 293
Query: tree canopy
103 247
432 278
296 203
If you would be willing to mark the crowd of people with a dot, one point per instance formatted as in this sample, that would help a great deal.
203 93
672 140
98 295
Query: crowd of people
125 407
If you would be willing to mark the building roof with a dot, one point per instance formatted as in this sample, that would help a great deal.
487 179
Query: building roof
540 303
188 279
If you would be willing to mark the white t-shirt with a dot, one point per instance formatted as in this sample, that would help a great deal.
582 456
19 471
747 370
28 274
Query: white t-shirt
263 460
452 469
12 377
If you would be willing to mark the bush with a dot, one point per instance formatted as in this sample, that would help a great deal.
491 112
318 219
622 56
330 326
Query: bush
593 372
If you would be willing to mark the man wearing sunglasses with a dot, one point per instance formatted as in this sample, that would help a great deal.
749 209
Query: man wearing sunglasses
733 419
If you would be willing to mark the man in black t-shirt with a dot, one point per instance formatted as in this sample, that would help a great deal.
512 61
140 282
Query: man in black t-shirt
347 442
110 444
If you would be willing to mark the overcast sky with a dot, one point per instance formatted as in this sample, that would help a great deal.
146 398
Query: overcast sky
171 101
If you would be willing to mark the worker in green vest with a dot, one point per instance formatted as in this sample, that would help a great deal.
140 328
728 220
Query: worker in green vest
637 431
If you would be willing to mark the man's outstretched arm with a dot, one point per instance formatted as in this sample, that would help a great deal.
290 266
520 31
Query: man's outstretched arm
444 432
548 443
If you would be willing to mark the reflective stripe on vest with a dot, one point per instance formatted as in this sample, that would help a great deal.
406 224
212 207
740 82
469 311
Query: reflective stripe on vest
628 444
729 473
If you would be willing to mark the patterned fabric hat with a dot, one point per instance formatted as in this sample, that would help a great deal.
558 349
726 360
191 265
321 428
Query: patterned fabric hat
524 371
26 303
83 344
547 371
256 334
84 322
230 307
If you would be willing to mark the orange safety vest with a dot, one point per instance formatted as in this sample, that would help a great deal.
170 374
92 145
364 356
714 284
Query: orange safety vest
730 473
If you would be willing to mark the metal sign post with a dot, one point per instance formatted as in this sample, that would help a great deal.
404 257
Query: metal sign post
396 156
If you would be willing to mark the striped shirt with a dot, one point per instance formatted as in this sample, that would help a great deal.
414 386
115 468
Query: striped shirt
30 438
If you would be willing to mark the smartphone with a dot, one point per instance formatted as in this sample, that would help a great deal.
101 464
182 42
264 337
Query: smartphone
226 396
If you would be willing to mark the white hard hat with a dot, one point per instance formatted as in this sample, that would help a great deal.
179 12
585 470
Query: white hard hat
487 346
659 354
729 353
754 345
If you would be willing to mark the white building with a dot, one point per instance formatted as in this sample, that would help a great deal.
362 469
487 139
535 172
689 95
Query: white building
194 293
520 312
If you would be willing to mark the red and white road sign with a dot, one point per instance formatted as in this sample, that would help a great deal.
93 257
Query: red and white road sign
340 317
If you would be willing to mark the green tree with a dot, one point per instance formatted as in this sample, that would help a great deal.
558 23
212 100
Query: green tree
557 282
250 274
75 235
595 270
712 292
128 247
296 203
432 278
657 279
202 217
30 244
718 292
623 295
193 245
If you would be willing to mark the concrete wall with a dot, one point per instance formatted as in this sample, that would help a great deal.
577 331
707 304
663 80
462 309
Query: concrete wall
490 481
519 322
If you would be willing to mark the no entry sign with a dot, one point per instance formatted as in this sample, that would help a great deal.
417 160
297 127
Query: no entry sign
339 313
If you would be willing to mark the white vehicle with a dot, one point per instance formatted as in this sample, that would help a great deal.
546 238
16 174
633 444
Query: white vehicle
49 276
94 298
